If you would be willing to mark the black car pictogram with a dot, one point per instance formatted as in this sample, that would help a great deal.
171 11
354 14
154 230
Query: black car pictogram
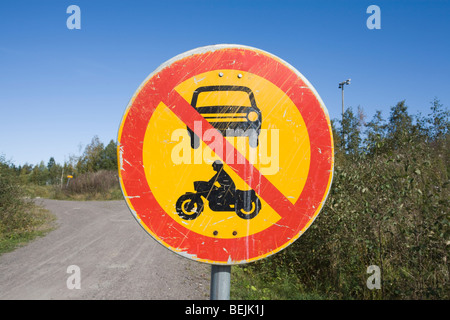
229 119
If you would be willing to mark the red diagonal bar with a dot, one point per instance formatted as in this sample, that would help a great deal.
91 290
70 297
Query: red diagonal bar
251 175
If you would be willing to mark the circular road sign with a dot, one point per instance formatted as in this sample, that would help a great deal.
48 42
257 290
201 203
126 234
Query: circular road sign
225 154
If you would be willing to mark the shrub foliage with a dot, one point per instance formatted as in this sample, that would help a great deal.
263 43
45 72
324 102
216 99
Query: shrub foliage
388 206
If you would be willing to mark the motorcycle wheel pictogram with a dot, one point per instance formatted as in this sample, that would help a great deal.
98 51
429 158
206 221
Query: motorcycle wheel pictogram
247 212
189 206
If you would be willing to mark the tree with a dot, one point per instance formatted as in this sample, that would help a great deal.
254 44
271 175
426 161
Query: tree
350 131
438 120
90 161
400 126
39 174
375 133
54 171
108 158
51 163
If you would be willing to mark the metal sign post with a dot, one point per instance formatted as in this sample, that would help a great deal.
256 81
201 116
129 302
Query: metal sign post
220 282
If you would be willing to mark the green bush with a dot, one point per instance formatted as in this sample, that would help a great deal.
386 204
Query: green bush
388 206
13 205
20 219
100 185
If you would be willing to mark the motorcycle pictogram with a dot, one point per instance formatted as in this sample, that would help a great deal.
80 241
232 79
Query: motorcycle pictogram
221 194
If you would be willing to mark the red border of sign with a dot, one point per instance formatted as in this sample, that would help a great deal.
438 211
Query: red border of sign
175 236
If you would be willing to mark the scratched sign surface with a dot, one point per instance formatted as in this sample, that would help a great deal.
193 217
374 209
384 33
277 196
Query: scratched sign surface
225 154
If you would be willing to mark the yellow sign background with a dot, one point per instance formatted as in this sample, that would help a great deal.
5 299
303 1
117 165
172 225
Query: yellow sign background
168 181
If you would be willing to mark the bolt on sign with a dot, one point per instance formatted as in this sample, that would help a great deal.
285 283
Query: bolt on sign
225 154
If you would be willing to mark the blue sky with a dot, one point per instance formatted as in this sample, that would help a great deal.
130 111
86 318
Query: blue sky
60 87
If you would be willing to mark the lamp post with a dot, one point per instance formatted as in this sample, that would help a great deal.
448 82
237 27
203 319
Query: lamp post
341 86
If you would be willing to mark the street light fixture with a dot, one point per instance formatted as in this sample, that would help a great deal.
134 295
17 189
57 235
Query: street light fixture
341 86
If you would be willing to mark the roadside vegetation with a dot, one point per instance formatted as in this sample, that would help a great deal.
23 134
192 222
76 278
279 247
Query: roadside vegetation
388 206
90 176
20 219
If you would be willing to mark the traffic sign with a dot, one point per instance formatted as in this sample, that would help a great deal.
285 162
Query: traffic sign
225 154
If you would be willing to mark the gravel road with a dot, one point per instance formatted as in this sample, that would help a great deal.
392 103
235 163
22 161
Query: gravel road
117 259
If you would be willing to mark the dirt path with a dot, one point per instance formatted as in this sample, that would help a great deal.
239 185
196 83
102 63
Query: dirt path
117 259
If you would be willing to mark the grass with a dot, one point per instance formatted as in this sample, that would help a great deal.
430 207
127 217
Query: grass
56 193
247 285
21 220
38 223
36 191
